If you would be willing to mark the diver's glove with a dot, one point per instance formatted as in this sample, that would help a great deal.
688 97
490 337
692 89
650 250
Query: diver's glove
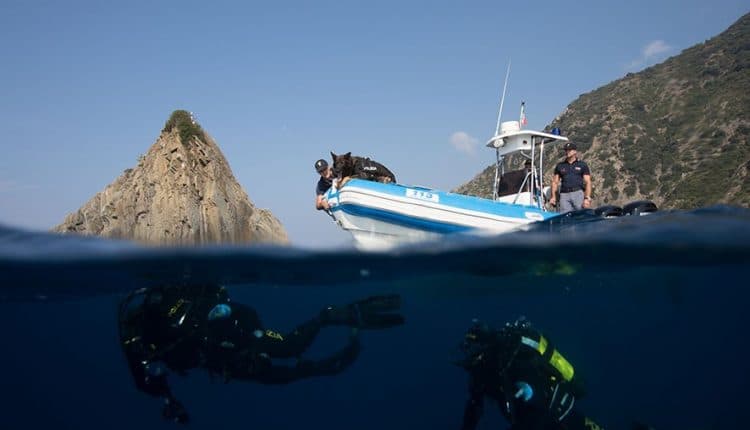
371 313
173 410
524 391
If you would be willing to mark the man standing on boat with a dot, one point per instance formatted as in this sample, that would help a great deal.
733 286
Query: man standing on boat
573 178
324 183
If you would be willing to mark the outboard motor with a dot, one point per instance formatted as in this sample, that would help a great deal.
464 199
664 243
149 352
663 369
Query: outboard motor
608 211
639 207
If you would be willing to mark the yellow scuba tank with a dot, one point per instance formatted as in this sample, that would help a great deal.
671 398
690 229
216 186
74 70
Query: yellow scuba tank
550 354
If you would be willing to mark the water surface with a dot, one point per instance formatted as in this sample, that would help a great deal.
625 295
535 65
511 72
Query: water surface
650 310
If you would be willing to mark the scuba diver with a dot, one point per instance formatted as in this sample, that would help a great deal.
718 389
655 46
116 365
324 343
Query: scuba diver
197 326
532 383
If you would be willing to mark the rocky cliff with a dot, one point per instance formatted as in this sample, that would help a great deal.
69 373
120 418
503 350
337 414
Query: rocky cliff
677 133
181 192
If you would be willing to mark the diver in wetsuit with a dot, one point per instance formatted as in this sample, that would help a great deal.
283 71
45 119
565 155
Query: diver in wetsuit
197 326
532 383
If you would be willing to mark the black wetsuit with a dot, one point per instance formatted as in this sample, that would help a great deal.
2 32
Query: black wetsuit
504 360
170 328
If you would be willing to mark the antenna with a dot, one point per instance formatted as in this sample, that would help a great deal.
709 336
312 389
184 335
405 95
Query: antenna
502 100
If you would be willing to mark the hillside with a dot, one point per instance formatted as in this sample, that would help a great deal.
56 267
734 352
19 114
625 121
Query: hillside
676 133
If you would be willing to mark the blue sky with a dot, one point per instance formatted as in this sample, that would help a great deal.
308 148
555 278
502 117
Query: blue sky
85 87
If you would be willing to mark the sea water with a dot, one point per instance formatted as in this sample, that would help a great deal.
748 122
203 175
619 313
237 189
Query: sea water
651 311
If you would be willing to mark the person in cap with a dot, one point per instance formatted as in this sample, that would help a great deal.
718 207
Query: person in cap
522 371
181 327
324 183
572 179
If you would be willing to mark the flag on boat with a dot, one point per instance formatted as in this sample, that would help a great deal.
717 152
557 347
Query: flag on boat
523 114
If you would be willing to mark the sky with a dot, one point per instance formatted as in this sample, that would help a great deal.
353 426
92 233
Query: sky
85 87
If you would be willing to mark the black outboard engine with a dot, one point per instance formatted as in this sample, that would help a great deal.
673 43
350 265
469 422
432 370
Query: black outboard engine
639 207
608 211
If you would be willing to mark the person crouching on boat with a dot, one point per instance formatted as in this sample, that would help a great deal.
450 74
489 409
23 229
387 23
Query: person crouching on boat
197 326
516 366
324 183
573 178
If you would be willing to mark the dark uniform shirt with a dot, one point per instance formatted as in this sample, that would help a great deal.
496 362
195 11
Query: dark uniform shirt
571 175
323 185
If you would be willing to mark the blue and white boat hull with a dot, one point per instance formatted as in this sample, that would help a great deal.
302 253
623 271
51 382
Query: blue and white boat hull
381 216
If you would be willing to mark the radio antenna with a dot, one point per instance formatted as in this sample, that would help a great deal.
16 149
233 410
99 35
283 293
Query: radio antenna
502 100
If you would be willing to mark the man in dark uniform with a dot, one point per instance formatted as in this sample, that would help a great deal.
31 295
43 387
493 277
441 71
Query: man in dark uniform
324 183
532 383
573 178
197 326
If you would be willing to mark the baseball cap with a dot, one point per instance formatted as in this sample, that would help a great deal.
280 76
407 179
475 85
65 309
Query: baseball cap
570 145
321 165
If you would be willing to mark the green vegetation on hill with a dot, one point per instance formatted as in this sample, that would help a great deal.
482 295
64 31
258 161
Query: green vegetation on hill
677 133
183 121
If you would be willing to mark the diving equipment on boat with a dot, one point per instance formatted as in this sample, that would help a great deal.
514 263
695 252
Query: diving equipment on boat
639 207
608 211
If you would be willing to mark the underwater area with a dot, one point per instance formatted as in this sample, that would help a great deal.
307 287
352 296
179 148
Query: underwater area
651 312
